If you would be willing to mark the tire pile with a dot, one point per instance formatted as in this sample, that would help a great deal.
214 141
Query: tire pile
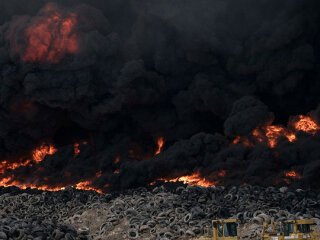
163 212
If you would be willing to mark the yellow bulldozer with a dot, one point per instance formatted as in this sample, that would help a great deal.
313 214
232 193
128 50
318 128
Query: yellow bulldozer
226 229
274 234
290 229
223 229
300 229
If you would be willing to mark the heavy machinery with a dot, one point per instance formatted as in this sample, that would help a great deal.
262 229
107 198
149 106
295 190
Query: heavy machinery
290 229
299 229
222 229
275 234
226 229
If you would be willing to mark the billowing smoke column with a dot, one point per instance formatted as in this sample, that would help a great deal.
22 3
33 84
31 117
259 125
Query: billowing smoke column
47 38
113 95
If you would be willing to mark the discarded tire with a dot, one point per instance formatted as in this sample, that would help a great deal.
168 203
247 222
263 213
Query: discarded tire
155 213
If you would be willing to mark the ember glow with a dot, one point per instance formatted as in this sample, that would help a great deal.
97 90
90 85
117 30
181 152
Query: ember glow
23 107
50 37
98 174
293 174
236 140
160 145
76 150
222 173
116 161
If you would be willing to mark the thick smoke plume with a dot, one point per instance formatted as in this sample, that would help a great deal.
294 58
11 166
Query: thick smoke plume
47 38
91 87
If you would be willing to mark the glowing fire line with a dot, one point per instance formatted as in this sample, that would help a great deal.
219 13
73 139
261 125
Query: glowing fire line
38 156
195 179
84 185
270 133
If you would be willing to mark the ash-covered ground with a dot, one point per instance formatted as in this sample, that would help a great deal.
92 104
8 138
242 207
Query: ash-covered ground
165 212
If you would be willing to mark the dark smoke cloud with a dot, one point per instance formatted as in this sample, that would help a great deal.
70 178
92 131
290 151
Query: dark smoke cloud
247 114
184 70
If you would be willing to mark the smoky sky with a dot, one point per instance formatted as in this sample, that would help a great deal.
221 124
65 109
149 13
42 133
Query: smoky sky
197 73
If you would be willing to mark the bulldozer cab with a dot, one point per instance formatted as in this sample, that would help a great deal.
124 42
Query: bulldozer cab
299 229
275 233
225 229
222 229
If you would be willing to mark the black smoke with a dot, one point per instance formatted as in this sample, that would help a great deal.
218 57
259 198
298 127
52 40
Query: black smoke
197 73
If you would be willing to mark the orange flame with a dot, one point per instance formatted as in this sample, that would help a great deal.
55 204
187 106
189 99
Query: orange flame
236 140
293 174
4 165
84 185
37 156
222 173
8 182
49 37
271 133
40 153
160 143
194 179
98 174
306 124
76 149
289 177
116 161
